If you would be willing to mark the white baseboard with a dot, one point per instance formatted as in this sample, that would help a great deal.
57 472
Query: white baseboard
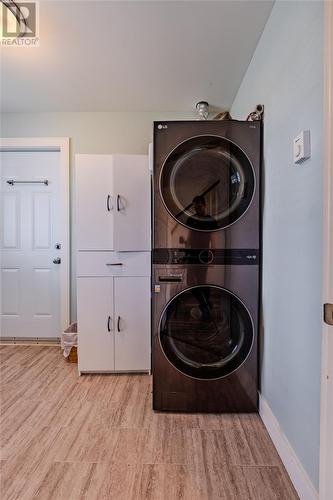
297 474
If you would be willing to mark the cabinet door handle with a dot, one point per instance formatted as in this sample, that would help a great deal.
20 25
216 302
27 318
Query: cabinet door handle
114 263
109 321
170 279
118 202
118 324
108 204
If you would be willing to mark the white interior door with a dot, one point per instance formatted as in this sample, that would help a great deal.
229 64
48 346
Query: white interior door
30 278
132 323
94 202
132 202
95 324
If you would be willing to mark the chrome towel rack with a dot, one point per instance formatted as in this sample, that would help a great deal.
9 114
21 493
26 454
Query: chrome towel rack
11 182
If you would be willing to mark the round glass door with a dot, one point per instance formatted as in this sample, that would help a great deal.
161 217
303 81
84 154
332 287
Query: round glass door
206 332
207 183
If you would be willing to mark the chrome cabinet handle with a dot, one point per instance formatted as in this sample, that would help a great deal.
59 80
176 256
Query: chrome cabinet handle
118 200
118 324
109 320
114 264
108 204
57 260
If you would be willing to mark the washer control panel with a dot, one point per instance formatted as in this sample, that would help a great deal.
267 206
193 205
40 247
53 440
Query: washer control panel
242 256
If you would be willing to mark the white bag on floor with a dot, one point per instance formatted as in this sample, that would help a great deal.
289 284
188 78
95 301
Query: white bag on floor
69 339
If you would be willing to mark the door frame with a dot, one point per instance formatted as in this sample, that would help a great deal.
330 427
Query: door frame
326 405
61 145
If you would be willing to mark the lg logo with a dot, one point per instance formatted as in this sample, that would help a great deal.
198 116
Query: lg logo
162 127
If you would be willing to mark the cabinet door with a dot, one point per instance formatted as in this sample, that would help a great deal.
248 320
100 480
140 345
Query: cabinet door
132 202
94 202
132 323
95 324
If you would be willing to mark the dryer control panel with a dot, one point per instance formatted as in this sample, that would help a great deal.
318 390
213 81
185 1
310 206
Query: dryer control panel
204 256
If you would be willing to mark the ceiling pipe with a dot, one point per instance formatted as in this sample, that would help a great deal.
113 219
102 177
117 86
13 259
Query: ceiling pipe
202 110
257 114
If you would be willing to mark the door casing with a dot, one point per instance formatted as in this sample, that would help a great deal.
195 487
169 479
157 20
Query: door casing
61 145
326 410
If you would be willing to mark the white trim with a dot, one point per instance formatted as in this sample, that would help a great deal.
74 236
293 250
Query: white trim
294 468
326 407
60 144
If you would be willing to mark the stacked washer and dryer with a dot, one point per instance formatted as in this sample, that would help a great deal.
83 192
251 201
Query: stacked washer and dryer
206 249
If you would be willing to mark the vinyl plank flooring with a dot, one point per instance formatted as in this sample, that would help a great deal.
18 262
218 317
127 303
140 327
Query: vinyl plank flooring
90 481
26 467
159 482
206 447
258 441
135 412
130 446
264 482
96 437
16 424
88 443
166 445
216 481
175 420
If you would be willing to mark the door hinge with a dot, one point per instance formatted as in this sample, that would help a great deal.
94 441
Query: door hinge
328 314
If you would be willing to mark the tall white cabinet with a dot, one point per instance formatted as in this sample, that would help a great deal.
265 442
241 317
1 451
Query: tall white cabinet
113 202
113 262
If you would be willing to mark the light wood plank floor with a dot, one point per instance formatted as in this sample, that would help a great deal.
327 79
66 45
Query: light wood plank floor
96 437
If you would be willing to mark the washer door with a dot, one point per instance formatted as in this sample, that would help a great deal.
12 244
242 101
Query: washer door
207 183
206 332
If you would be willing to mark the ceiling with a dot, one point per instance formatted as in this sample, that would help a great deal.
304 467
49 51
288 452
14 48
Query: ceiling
133 56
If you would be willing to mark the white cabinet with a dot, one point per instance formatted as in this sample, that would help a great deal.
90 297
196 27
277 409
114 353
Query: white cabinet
132 202
95 310
94 202
114 324
113 202
132 323
113 262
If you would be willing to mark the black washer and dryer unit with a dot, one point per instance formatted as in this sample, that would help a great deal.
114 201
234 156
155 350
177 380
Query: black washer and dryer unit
205 320
206 184
206 266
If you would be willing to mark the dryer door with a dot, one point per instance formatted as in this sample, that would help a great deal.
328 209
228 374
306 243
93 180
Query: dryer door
206 332
207 183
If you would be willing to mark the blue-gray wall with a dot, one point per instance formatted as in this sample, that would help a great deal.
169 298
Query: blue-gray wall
286 75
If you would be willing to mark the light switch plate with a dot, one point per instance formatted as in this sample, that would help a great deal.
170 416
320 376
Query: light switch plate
302 147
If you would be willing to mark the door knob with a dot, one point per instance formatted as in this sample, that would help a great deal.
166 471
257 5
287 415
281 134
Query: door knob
57 260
